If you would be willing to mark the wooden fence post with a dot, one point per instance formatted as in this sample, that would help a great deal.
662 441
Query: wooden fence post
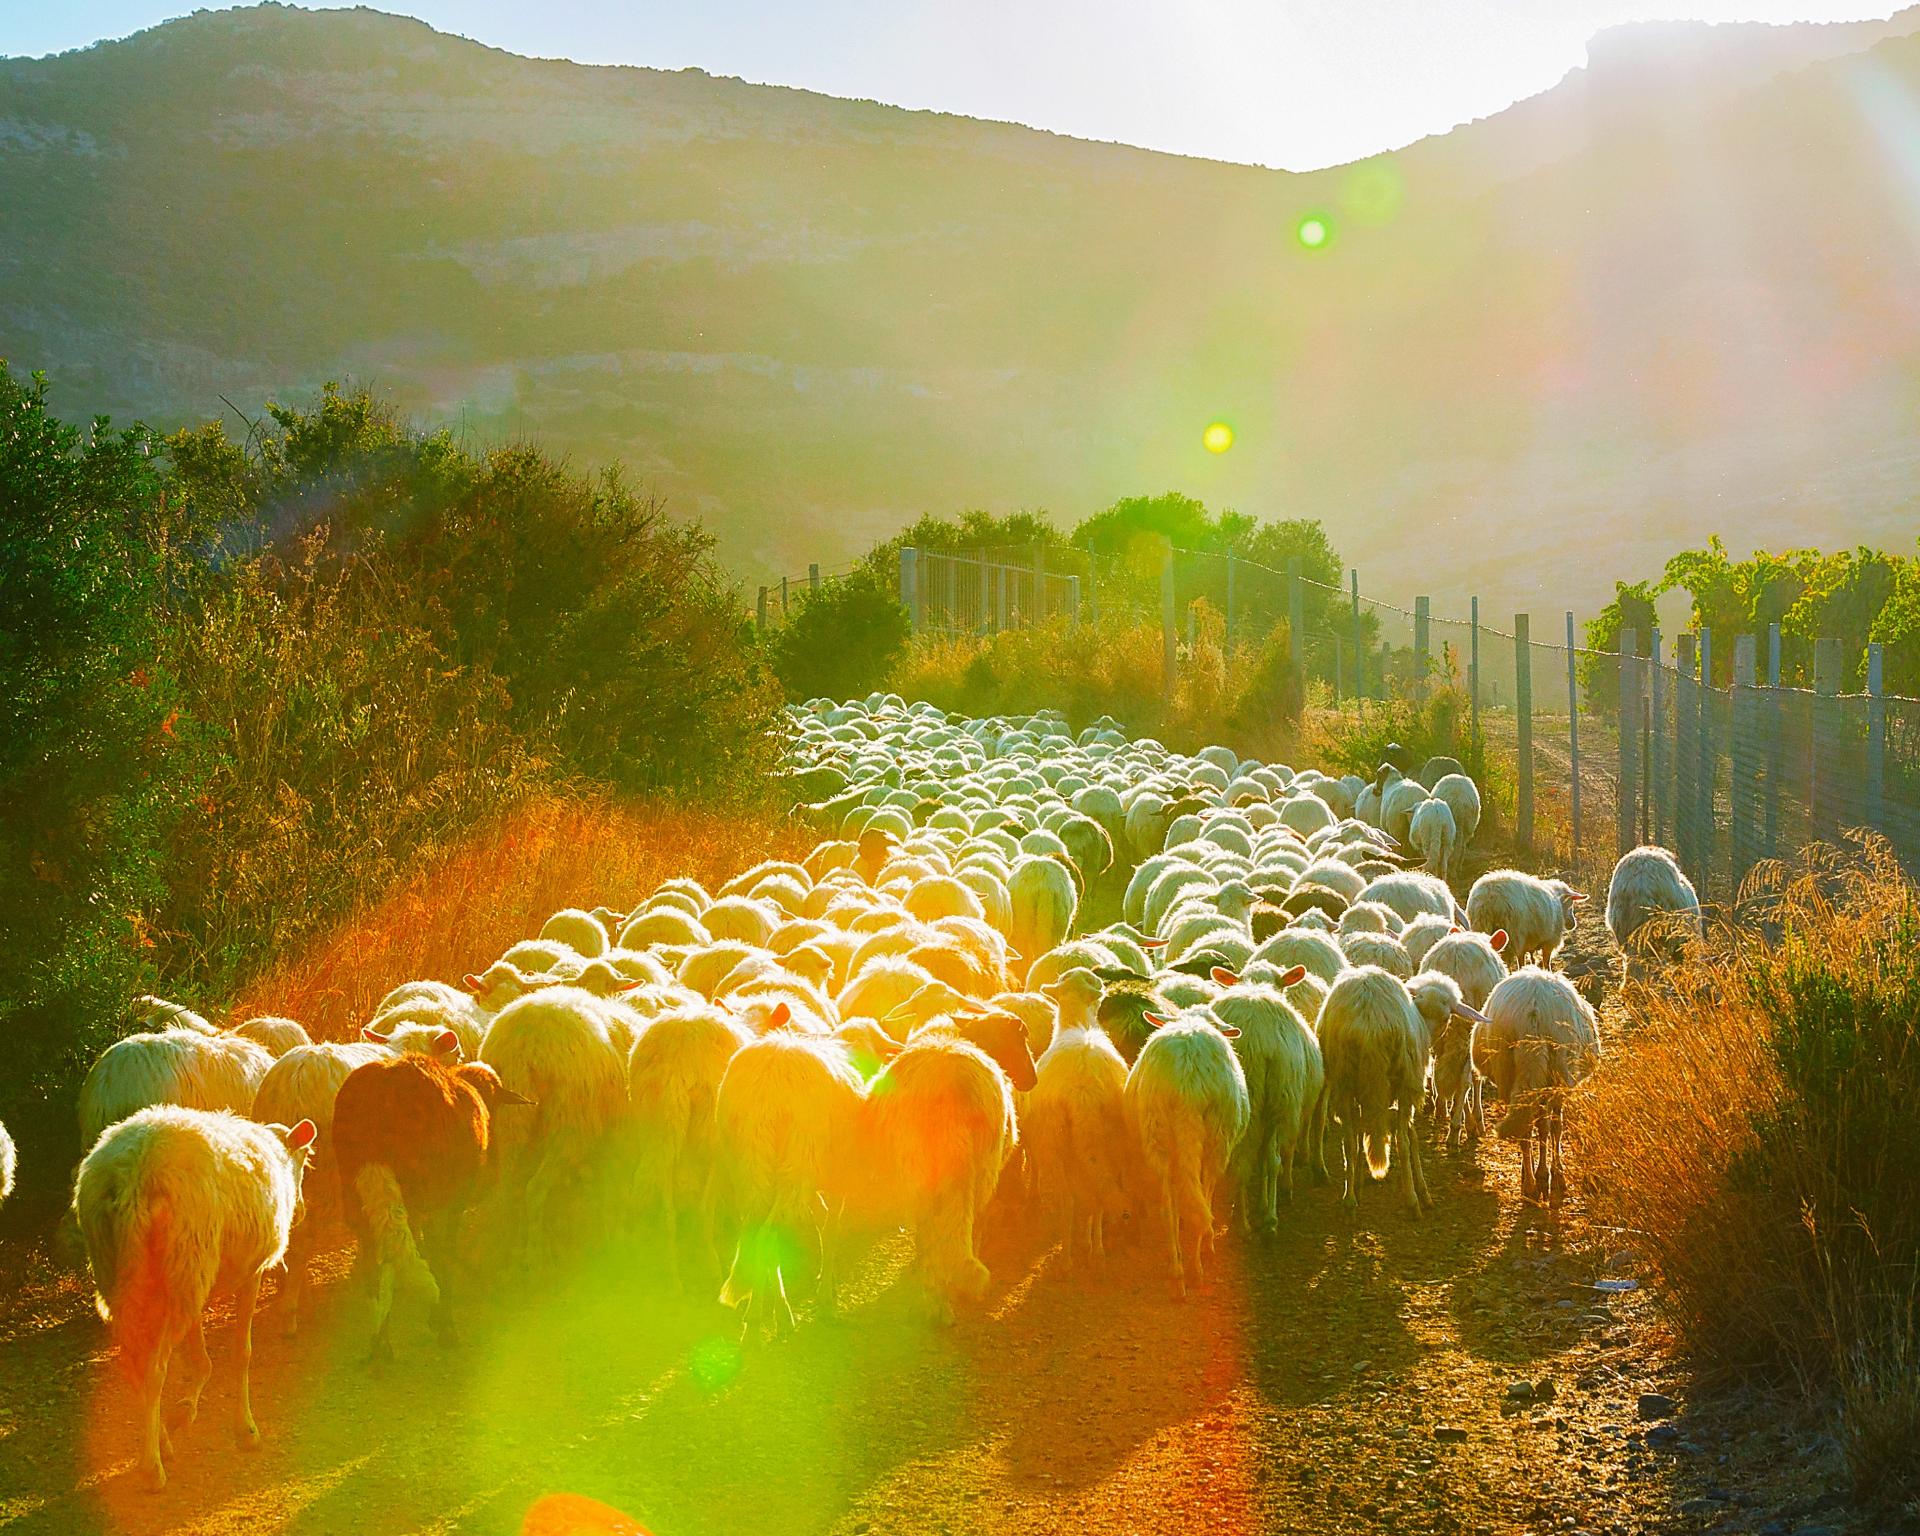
783 599
1709 763
910 586
1297 624
813 576
1573 729
1169 640
1073 600
1422 622
1230 596
1339 668
1685 718
1744 752
760 612
1473 671
1359 644
1776 750
1657 738
1826 791
1039 583
1628 819
1876 787
1523 727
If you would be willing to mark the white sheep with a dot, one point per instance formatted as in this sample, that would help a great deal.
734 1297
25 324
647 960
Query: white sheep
1540 1039
1411 892
1433 834
1463 799
1649 891
9 1165
787 1120
581 932
1397 803
1186 1103
1044 903
171 1202
302 1085
1450 1022
1537 914
1423 933
1075 1129
673 1081
1381 949
278 1035
1375 1043
175 1066
554 1048
1280 1056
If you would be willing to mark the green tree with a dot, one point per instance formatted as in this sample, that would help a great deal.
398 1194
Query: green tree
842 641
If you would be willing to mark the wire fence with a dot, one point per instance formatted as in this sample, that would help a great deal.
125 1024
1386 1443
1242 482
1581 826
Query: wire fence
1716 758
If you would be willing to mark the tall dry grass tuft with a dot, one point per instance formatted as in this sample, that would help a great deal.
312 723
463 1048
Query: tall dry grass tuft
502 881
1761 1135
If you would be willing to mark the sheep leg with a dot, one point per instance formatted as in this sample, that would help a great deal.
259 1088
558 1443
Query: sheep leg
1270 1181
670 1223
1423 1193
1556 1152
1316 1148
245 1430
293 1285
1170 1212
1196 1211
151 1378
436 1245
1401 1139
199 1368
1352 1149
382 1280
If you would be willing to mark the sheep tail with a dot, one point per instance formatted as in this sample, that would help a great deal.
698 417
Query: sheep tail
1379 1137
392 1232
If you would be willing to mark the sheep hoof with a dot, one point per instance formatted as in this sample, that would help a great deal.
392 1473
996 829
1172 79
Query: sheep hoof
154 1475
247 1436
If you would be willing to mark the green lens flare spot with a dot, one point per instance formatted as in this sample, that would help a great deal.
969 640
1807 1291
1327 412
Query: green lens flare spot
714 1362
1218 437
1313 231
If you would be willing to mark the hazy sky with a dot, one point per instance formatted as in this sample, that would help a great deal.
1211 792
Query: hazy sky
1297 83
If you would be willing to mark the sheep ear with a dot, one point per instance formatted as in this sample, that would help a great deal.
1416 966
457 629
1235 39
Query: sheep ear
634 986
1577 895
302 1135
446 1042
1454 929
1225 977
473 983
1474 1015
368 1032
1498 940
1294 976
1154 1020
505 1095
1228 1030
780 1016
1153 943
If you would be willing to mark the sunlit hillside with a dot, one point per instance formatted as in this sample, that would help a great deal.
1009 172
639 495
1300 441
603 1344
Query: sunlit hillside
1665 299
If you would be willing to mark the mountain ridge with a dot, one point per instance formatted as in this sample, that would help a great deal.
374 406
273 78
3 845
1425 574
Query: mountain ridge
806 320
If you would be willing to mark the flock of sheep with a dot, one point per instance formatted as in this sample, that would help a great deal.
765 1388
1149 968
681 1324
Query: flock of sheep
1152 984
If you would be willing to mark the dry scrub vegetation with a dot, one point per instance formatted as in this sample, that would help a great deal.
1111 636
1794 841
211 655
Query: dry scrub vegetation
1758 1131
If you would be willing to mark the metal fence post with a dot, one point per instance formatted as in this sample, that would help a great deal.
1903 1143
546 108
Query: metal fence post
1876 791
760 612
1093 593
1824 795
1744 799
783 599
1629 739
910 586
1473 670
813 576
1359 644
1709 765
1230 596
1073 599
1339 667
1685 718
1297 623
1657 738
1422 616
1523 727
1169 641
1776 751
1573 729
986 593
1039 583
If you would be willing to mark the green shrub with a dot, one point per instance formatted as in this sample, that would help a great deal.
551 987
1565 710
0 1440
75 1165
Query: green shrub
841 641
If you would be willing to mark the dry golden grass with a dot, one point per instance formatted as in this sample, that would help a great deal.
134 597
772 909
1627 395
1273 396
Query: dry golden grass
1757 1133
498 886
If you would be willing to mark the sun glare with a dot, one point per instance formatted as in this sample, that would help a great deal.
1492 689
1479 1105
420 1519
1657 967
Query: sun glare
1313 231
1218 437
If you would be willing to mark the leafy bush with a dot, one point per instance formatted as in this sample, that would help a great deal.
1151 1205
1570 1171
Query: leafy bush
842 640
242 687
1762 1127
1114 668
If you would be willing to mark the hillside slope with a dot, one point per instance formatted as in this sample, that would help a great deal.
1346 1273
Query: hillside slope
807 319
